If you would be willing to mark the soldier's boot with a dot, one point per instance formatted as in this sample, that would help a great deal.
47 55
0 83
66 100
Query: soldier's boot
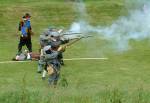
44 75
40 67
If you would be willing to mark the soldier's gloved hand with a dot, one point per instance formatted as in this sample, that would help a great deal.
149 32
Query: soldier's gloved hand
61 48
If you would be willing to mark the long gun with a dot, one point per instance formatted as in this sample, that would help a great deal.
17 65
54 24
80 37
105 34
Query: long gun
69 34
77 39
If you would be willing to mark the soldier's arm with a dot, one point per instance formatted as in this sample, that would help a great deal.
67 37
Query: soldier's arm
52 55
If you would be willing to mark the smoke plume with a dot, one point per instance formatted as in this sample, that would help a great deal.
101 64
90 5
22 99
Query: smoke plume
135 26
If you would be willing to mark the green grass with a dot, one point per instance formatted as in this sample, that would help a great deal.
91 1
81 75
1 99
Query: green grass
123 78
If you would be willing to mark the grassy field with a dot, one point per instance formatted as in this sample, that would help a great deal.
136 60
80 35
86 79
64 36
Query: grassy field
123 78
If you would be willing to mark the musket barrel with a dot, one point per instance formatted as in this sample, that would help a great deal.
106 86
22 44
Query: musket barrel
77 39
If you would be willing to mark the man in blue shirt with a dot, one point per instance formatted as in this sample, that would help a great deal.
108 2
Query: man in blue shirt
25 32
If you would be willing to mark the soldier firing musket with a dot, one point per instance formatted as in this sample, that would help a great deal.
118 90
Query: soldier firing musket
51 37
56 39
51 60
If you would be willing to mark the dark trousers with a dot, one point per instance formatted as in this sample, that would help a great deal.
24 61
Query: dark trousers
60 58
25 41
53 78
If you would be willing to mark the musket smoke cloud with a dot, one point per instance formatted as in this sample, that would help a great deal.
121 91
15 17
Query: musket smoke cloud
135 26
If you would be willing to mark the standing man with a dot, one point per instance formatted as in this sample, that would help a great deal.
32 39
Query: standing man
25 33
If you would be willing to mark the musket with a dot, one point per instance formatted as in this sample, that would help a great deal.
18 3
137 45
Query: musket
77 39
72 33
68 34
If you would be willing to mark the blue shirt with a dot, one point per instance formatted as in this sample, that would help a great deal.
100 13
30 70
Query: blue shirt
25 27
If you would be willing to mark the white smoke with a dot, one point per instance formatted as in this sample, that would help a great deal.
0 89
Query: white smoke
75 27
82 24
135 26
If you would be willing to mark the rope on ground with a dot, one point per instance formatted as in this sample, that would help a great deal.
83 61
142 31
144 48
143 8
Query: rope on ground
71 59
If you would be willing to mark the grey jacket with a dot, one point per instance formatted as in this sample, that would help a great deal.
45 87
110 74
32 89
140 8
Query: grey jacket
51 57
